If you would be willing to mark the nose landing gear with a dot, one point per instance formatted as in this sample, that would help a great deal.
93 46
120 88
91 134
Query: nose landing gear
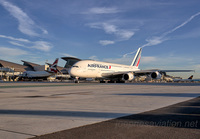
76 80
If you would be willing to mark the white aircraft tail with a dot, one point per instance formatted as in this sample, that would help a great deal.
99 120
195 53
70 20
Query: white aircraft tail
53 67
136 60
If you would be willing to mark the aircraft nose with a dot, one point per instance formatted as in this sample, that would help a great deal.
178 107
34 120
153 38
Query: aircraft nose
72 72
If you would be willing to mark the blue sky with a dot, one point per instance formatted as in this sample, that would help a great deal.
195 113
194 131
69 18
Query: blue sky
40 30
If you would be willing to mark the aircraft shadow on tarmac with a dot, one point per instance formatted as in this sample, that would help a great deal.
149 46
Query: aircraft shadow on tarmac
181 115
163 94
83 114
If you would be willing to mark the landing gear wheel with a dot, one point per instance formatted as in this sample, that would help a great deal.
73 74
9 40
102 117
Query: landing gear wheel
76 81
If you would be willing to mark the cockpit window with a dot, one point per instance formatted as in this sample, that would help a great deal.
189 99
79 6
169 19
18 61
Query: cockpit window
75 66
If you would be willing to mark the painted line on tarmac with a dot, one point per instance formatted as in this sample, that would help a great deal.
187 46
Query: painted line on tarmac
27 86
18 132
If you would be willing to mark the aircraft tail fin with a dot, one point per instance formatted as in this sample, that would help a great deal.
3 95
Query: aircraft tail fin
190 77
53 67
136 60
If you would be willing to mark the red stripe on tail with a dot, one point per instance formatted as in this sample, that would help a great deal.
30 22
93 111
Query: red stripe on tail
138 63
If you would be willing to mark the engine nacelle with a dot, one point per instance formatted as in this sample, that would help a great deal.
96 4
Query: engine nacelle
128 76
156 75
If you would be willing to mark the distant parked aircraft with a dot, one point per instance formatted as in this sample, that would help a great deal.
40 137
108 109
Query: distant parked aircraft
41 74
190 79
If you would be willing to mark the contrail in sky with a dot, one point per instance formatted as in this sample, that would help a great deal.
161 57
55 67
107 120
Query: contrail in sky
157 40
181 25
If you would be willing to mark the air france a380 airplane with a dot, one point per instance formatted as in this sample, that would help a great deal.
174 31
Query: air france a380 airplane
114 72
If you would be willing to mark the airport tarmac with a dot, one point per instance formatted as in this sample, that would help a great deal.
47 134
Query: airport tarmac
32 109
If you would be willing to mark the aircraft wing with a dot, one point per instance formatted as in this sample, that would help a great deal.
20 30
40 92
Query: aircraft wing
140 72
136 73
161 71
176 70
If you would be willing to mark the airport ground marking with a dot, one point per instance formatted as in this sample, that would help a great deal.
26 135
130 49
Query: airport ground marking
27 86
18 132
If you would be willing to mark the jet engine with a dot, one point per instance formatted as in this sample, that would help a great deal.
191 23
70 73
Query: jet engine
128 76
156 75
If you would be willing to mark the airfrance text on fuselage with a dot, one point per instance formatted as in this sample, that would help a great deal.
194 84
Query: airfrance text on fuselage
98 66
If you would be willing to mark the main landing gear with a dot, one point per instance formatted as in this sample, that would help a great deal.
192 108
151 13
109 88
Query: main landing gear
120 81
102 81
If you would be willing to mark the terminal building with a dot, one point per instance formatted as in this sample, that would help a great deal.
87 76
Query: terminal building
9 70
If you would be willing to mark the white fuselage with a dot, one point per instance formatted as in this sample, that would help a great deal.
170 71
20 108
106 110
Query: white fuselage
36 74
95 69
